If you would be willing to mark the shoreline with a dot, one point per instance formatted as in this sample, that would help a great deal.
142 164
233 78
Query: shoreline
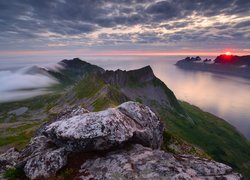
216 68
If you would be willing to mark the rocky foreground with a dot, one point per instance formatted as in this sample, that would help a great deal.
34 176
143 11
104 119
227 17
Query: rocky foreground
118 143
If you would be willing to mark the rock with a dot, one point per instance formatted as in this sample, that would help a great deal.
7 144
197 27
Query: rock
65 113
42 158
129 122
37 145
123 78
8 159
146 119
144 163
45 164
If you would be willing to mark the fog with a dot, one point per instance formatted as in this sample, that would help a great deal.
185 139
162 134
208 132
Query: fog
23 83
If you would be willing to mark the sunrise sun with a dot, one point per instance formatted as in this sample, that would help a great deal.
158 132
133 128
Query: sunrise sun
228 53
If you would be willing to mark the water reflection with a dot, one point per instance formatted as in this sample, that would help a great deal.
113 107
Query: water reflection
225 96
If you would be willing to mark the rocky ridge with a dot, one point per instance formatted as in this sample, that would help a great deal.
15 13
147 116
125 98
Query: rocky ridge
124 142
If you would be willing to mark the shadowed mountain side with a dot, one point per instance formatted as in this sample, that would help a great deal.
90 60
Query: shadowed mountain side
74 70
143 86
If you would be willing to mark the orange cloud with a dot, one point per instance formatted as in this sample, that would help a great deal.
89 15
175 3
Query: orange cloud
57 45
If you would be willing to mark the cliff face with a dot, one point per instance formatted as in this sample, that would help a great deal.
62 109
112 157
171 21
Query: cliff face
143 86
124 78
121 142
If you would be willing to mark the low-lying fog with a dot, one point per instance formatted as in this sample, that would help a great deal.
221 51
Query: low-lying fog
23 83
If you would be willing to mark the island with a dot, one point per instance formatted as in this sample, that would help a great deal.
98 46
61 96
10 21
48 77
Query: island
223 64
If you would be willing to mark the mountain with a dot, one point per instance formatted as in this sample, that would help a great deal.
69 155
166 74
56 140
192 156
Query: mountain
233 60
143 86
223 64
188 130
73 70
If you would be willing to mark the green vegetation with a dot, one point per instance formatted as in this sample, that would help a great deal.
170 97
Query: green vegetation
18 136
216 137
66 173
88 87
16 131
13 174
32 103
113 97
172 99
175 145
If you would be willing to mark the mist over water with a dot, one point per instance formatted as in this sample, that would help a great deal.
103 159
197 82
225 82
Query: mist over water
23 83
225 96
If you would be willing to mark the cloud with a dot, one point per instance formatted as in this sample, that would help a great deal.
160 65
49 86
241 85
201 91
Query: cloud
23 83
56 45
35 24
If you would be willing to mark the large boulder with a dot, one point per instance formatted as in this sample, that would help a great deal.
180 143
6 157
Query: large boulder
129 122
140 162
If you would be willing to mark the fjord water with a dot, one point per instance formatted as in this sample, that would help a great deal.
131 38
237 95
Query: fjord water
225 96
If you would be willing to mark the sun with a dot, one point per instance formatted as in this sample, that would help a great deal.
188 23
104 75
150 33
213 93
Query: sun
228 53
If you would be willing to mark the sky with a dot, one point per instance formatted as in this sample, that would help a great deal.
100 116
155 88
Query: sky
73 28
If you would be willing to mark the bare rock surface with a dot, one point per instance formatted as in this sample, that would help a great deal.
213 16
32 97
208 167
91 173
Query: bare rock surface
46 164
140 162
42 158
105 129
8 159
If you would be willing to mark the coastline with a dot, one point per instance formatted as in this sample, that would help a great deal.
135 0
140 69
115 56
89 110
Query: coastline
216 68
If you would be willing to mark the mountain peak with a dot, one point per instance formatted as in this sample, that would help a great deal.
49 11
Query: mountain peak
74 62
122 78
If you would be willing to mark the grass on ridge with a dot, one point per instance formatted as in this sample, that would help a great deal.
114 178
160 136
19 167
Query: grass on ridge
215 136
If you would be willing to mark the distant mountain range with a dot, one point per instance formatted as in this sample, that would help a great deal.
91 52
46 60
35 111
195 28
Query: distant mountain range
223 64
188 130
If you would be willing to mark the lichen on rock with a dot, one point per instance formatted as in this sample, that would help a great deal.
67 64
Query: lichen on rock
105 129
140 162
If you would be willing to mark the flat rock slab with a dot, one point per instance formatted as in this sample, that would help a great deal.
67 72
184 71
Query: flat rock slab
144 163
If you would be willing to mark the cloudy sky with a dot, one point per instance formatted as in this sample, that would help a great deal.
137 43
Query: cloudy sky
123 27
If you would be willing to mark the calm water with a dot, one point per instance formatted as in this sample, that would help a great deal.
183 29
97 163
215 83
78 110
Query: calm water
225 96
